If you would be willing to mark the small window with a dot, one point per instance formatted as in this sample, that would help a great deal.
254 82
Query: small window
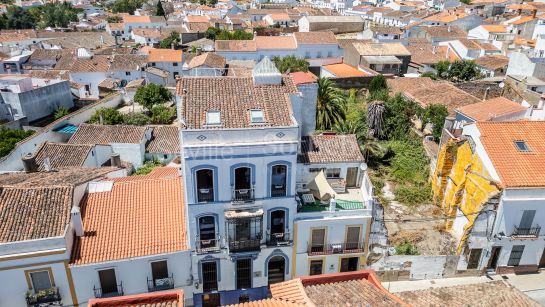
316 267
175 64
40 280
153 64
256 116
522 146
333 173
213 118
127 73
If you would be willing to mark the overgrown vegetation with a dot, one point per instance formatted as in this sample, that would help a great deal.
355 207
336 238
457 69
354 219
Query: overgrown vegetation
290 63
55 15
126 6
215 33
60 112
167 42
148 167
407 249
9 138
114 19
457 71
151 95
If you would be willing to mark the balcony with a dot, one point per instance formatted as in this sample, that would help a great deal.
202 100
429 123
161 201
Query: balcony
251 245
278 190
335 248
207 246
205 195
522 233
161 284
100 294
243 195
43 297
278 239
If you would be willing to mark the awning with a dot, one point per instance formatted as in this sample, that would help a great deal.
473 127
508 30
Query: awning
320 188
382 59
238 214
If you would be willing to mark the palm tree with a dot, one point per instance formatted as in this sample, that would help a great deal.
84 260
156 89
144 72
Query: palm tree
330 108
375 118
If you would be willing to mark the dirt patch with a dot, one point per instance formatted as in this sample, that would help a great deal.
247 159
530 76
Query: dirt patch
418 225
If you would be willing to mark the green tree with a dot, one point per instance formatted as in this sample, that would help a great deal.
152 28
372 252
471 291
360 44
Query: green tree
9 138
465 70
429 74
442 69
152 94
159 10
114 19
397 117
330 108
436 115
106 116
290 63
378 83
212 33
55 15
466 2
211 3
126 6
173 38
136 119
162 115
60 112
17 18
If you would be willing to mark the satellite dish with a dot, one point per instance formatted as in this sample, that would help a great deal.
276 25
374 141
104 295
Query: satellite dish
501 85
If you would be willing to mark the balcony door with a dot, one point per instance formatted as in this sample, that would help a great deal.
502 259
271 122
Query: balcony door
349 264
278 180
207 232
526 221
108 282
317 240
159 272
276 270
353 234
278 225
243 178
205 185
351 177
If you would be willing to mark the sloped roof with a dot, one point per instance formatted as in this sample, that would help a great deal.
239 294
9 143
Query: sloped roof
330 149
315 38
236 45
164 55
107 134
275 42
164 139
209 59
62 155
492 61
343 70
515 168
491 108
381 49
142 223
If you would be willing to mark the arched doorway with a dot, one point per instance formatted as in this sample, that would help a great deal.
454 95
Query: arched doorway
276 270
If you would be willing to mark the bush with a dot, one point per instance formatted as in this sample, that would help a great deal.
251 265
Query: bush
413 194
291 63
436 115
147 167
398 114
136 119
9 138
152 94
378 83
173 38
409 162
162 115
60 112
407 249
110 116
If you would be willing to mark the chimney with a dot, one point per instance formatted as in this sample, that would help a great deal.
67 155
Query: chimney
534 12
115 160
29 163
449 29
77 222
486 91
434 49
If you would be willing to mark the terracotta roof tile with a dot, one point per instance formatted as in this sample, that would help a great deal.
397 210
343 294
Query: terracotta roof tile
515 168
275 42
164 139
330 149
495 28
269 302
236 45
209 59
171 298
164 55
303 77
444 32
358 292
107 134
62 155
344 71
315 38
488 294
234 97
142 221
492 61
492 108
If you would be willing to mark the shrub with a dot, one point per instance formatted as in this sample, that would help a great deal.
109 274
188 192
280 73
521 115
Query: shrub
147 167
9 138
152 94
60 112
162 115
407 249
413 194
136 119
378 83
110 116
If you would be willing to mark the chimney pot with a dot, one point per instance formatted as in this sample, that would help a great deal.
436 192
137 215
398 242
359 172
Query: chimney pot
29 163
77 222
115 160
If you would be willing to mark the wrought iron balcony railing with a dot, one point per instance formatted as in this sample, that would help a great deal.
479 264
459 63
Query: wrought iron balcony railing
208 245
43 297
250 245
278 190
99 293
243 195
161 284
278 239
205 195
526 232
335 248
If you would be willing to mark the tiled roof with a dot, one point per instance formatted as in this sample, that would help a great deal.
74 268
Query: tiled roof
62 155
164 139
171 298
290 291
157 71
268 302
426 91
515 168
142 221
16 35
275 42
164 55
490 109
303 77
381 49
492 61
423 53
488 294
236 45
495 28
72 40
343 70
234 97
132 18
330 149
197 18
127 62
37 205
315 38
358 292
209 59
444 32
107 134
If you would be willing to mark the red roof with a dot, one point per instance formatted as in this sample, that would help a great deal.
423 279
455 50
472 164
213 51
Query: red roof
303 77
174 298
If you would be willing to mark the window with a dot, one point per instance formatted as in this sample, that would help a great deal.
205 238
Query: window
315 169
522 146
317 240
349 264
174 64
159 270
174 74
209 276
329 54
40 280
352 237
516 254
108 281
153 64
319 54
244 273
333 173
127 73
474 258
256 116
307 55
316 267
213 118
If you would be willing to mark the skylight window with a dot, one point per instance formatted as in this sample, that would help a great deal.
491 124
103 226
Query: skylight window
256 116
522 146
213 118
